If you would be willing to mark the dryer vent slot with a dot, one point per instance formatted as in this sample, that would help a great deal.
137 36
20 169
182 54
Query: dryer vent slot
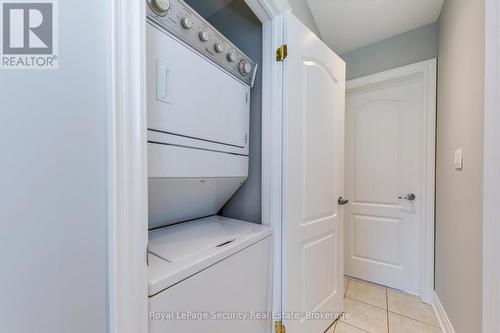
226 242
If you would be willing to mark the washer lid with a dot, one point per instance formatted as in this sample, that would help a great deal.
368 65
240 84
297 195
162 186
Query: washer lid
179 251
179 242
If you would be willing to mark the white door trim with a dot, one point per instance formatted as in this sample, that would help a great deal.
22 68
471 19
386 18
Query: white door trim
127 235
127 171
428 69
272 115
491 177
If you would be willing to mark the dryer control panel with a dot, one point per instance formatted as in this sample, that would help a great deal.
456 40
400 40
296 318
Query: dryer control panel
176 17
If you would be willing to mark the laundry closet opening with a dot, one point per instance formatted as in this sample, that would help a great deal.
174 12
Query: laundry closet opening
208 252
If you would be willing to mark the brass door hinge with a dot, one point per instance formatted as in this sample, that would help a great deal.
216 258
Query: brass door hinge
282 52
279 327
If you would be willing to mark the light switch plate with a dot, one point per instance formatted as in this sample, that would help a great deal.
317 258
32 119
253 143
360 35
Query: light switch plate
459 158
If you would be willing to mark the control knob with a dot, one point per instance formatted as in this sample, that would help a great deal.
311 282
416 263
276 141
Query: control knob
186 23
219 47
231 57
204 36
160 7
245 67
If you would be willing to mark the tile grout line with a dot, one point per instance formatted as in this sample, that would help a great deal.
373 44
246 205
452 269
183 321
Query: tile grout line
387 289
387 312
380 286
347 287
418 320
398 291
371 305
345 293
334 326
345 296
360 301
355 327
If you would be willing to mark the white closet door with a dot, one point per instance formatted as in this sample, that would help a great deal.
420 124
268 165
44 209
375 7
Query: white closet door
385 178
314 79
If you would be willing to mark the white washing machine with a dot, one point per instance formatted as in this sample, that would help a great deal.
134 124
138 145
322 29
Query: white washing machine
210 275
207 273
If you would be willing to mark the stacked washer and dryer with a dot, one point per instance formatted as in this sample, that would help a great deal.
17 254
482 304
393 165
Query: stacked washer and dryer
207 273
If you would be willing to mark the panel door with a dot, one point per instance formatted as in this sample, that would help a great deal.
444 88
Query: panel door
313 181
385 145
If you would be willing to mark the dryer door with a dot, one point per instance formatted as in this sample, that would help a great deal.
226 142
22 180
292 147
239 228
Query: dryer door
192 97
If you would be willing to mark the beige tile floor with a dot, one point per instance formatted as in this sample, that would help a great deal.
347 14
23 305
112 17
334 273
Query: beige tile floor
375 309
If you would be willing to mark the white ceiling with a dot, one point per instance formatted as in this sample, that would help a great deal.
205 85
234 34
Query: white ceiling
346 25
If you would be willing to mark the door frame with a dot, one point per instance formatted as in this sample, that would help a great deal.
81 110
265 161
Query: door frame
428 70
491 177
127 161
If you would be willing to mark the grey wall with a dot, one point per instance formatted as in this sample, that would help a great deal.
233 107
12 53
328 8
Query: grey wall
53 214
404 49
459 193
301 10
238 23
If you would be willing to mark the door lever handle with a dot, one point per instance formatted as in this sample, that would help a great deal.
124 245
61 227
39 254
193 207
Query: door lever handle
408 196
342 201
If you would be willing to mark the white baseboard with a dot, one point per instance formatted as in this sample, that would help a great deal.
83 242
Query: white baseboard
441 315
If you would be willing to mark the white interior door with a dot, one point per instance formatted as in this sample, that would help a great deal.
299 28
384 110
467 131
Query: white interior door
386 156
313 132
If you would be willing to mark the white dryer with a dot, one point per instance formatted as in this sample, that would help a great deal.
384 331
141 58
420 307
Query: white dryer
207 273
